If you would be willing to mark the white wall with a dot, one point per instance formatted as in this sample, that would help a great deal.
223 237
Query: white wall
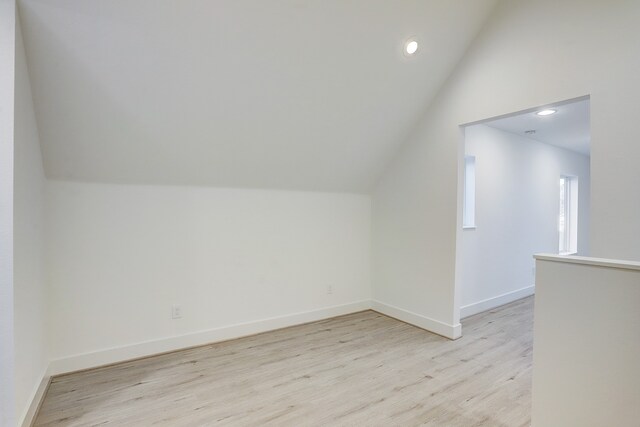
121 256
7 61
30 290
529 54
587 343
517 204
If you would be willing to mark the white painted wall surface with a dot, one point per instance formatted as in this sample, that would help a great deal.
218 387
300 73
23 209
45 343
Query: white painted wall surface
517 205
121 256
529 54
7 67
30 288
586 345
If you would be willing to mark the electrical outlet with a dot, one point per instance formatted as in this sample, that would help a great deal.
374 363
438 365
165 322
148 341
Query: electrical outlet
176 312
329 290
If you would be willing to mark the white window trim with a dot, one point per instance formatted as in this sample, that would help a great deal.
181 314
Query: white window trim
571 217
469 194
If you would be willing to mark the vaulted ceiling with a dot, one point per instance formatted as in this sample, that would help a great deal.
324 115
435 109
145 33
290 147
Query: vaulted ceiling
292 94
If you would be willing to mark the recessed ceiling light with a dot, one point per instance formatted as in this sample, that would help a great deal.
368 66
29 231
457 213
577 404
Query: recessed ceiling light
546 112
411 47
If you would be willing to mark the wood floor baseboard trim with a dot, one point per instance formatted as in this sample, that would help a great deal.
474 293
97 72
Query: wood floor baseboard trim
360 369
497 301
36 402
448 331
112 356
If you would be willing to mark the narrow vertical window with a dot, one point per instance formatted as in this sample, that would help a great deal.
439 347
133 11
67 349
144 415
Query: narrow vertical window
469 205
568 215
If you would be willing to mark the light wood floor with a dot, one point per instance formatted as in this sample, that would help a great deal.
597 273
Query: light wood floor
363 369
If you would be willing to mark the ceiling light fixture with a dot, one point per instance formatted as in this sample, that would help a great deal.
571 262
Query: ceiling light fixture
546 112
411 47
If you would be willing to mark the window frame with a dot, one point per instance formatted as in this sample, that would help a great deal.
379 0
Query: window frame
469 194
568 215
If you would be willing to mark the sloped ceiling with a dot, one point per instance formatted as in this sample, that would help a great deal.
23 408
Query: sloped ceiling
292 94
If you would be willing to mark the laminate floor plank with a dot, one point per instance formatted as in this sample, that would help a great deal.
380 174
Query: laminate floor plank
363 369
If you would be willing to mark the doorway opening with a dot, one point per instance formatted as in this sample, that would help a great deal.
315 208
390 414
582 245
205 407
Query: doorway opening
525 190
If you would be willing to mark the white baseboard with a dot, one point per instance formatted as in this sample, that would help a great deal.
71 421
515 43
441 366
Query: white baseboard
490 303
449 331
148 348
36 400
